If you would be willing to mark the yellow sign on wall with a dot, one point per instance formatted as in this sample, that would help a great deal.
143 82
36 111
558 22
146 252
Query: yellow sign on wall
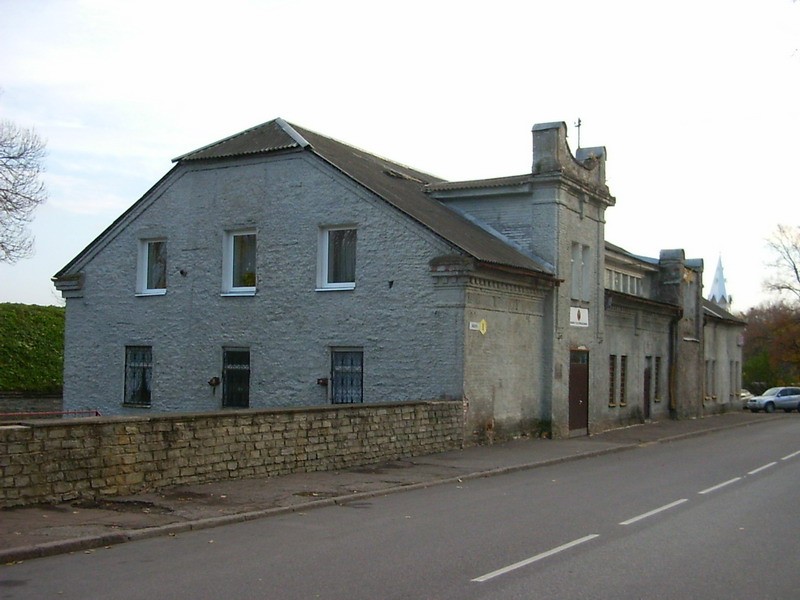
478 326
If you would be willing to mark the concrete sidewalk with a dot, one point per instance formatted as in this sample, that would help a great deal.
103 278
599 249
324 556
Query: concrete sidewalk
45 530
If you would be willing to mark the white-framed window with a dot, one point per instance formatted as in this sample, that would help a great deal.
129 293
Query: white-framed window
239 263
624 282
336 262
151 274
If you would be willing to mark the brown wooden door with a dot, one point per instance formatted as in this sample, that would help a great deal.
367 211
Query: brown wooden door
578 390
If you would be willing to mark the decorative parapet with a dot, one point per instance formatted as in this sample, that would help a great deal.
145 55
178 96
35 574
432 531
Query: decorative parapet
552 156
462 272
452 264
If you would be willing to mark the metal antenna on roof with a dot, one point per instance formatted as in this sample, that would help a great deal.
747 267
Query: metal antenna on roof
578 127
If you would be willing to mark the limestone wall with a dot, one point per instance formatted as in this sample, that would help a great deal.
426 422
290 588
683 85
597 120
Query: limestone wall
61 460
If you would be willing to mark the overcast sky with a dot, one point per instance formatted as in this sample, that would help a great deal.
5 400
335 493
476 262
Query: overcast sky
696 102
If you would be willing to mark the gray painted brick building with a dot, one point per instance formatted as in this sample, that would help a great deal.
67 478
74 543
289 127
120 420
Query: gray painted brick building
281 268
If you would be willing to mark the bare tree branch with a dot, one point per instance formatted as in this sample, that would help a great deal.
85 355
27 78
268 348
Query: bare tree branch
785 278
22 154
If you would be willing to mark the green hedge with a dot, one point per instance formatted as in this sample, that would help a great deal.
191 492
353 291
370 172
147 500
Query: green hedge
31 349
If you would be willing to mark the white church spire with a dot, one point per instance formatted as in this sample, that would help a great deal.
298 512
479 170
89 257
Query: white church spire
718 294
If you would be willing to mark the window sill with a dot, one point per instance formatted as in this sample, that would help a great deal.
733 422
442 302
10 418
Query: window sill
238 293
338 288
148 293
136 405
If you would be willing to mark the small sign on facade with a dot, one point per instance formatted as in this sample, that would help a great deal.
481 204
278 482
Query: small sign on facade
578 317
478 326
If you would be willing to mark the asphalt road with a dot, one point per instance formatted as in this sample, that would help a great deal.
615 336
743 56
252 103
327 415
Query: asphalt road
707 517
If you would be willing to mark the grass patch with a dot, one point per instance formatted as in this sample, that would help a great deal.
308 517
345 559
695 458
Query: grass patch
31 349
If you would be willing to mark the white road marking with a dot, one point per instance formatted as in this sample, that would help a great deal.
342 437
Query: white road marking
719 485
630 521
533 559
759 469
654 512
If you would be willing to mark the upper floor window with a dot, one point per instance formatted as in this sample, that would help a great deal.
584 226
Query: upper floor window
239 263
624 282
581 283
152 267
337 259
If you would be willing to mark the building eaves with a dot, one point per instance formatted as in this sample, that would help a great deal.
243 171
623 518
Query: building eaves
497 182
620 254
404 188
717 312
614 297
401 186
75 264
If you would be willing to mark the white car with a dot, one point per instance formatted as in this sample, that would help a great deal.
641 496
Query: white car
787 398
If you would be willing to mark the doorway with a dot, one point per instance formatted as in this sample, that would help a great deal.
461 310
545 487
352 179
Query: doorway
578 391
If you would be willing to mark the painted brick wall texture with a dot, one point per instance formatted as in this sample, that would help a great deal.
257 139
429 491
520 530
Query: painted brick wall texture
57 461
289 327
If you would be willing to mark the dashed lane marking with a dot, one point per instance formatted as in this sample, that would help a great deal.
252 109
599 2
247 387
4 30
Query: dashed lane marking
533 559
719 485
761 468
654 512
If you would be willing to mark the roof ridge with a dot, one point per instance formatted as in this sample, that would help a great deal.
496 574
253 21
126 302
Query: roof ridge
276 121
289 130
385 161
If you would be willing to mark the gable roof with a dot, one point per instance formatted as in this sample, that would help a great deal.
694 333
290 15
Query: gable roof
714 310
400 186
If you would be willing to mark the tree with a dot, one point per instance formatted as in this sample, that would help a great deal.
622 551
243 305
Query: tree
22 154
771 352
785 245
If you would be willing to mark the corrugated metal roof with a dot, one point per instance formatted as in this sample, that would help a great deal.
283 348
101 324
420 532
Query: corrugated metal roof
481 183
399 185
267 137
715 310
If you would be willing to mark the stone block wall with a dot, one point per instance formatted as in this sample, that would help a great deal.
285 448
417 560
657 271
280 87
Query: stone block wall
62 460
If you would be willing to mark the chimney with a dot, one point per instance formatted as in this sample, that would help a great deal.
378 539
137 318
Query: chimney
671 266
